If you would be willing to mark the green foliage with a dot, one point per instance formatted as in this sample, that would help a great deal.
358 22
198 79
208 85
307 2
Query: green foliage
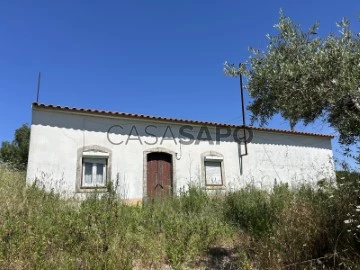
304 77
17 151
251 229
349 196
39 230
249 209
310 228
189 223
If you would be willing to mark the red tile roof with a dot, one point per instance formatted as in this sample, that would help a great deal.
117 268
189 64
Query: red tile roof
142 116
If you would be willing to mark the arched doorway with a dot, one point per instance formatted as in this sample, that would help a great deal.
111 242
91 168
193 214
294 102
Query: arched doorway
159 180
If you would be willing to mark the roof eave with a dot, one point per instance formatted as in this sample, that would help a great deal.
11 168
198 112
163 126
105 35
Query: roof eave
156 118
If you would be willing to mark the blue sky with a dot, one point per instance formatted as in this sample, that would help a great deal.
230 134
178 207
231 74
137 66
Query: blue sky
152 57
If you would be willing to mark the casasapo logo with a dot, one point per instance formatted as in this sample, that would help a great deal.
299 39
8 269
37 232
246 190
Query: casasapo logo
186 135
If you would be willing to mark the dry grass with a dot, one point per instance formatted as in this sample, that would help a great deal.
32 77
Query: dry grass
249 229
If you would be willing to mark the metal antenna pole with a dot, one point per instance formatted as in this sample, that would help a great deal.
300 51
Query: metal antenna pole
38 88
242 100
243 110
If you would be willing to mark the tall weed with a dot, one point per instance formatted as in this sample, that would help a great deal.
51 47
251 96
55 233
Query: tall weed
302 228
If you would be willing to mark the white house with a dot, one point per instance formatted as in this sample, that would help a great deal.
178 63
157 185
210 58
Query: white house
76 151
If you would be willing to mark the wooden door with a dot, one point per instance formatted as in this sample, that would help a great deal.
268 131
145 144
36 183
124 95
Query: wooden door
159 175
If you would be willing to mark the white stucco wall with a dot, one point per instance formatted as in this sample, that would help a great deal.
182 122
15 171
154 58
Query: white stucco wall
56 137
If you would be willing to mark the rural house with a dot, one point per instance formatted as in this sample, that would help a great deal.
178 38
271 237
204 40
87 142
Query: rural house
79 151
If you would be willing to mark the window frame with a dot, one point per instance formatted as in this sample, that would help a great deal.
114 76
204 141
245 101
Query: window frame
207 182
92 152
212 156
94 161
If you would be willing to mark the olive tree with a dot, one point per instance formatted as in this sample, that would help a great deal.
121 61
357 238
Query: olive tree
304 78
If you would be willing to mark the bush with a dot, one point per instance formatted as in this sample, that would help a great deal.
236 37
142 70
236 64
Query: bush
41 230
249 209
309 229
293 228
189 224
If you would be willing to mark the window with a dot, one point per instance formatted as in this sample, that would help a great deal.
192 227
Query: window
94 172
94 169
213 171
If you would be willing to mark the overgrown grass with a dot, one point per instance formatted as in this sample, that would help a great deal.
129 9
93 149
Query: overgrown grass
304 228
39 230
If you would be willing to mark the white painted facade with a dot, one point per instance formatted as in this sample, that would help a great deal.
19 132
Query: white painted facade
59 138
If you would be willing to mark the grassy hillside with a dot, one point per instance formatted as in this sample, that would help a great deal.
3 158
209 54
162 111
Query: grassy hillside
248 229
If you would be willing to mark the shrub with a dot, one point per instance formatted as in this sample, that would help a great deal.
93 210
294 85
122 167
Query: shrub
249 209
41 230
286 228
189 224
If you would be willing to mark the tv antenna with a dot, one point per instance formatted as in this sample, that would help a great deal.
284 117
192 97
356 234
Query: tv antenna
38 88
